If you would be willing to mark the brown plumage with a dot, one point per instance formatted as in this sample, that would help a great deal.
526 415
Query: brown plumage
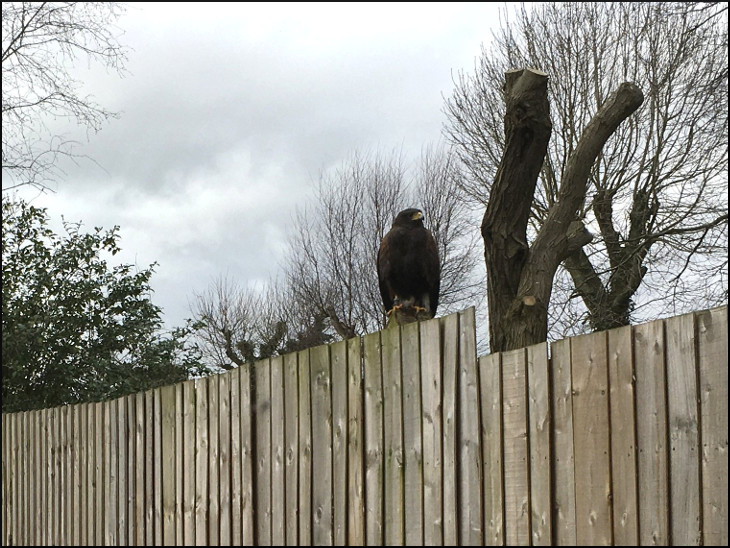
408 265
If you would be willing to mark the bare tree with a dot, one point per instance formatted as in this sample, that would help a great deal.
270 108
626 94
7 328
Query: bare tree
41 43
237 324
655 201
330 268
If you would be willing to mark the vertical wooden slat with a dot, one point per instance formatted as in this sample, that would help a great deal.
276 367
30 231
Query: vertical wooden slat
7 497
157 465
42 493
100 436
278 485
122 460
224 458
355 431
412 435
469 432
78 507
248 527
201 462
490 381
132 464
623 437
291 440
111 443
450 337
516 448
28 471
684 450
8 491
140 498
149 469
236 457
88 455
712 330
321 383
373 439
213 456
189 465
430 347
540 451
38 472
167 458
59 488
262 371
71 420
591 439
393 488
305 450
179 464
338 357
651 413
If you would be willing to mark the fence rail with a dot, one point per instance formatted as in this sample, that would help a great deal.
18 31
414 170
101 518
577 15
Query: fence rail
399 437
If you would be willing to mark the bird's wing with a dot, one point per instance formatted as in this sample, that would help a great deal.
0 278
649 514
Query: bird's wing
384 268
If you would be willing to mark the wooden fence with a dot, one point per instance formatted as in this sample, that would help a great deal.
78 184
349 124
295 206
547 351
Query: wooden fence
401 437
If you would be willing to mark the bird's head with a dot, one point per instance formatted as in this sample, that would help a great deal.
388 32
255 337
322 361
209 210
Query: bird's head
409 217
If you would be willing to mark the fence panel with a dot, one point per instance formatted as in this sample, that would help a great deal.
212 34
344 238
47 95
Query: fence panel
623 437
713 358
651 430
402 436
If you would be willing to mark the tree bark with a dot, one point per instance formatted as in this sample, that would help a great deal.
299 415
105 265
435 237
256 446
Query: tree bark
520 277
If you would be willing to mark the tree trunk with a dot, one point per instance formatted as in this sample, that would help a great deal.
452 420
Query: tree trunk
519 276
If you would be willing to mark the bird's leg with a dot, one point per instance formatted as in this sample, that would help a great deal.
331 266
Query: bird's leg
397 305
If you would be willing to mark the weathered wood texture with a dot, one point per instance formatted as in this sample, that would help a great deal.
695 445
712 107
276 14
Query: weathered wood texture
401 437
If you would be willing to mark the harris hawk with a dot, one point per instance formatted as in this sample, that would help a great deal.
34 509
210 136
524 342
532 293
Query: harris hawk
409 270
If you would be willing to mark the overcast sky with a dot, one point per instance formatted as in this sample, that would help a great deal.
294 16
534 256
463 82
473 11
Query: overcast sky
229 113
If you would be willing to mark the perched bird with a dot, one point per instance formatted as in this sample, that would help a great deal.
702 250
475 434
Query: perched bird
409 271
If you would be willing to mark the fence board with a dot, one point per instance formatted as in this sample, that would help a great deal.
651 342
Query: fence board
684 451
147 490
305 450
516 450
591 439
412 435
321 383
623 437
262 371
201 462
450 337
213 458
393 472
179 464
338 368
712 328
291 427
540 454
470 477
123 461
355 464
111 443
651 433
139 473
167 461
430 335
188 463
490 383
278 485
224 459
87 477
374 451
236 457
248 526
